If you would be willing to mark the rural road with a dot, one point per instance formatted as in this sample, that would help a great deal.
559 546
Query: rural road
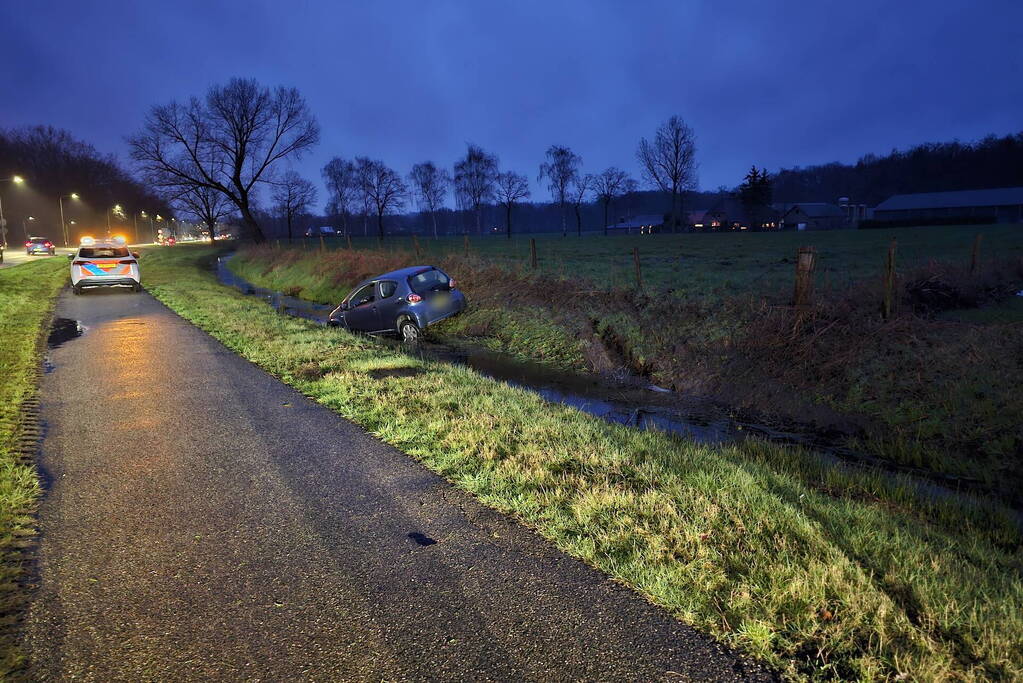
204 521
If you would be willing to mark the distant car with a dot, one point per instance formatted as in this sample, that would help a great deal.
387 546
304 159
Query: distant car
403 302
39 245
171 241
104 264
325 230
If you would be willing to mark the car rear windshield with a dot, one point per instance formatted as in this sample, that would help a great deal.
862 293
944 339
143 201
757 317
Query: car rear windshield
39 240
103 252
431 280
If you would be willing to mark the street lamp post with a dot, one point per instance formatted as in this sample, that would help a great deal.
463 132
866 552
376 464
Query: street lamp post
63 225
17 180
116 208
24 225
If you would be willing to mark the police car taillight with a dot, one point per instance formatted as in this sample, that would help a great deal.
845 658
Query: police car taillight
81 263
128 261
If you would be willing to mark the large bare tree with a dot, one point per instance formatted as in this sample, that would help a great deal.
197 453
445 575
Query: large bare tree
340 178
293 195
669 162
560 170
474 179
510 188
430 185
384 190
577 194
229 141
608 185
204 204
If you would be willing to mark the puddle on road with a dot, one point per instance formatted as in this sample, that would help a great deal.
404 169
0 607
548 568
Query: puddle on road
629 402
63 330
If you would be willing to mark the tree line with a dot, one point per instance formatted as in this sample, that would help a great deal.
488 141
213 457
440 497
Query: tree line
54 164
211 155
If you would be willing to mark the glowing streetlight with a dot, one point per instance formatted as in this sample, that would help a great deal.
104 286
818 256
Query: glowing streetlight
17 180
63 225
117 210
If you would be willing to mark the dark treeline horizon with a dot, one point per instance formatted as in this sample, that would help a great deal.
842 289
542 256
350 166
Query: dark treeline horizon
55 164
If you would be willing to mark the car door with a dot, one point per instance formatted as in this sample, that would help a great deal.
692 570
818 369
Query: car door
362 314
388 304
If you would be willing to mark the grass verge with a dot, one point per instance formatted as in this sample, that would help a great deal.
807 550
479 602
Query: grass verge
27 295
820 571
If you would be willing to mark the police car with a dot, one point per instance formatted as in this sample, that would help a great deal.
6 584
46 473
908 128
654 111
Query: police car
104 263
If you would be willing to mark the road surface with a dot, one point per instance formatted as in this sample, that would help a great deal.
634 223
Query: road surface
204 521
16 255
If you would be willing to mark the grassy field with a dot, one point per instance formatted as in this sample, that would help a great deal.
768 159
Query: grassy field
820 571
721 262
936 387
27 294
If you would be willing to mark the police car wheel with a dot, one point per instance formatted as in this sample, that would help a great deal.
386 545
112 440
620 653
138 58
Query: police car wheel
76 290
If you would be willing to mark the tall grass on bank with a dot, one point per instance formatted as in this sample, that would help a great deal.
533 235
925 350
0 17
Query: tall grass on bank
27 295
821 572
923 389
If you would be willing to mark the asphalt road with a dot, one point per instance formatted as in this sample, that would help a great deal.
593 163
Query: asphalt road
16 255
204 521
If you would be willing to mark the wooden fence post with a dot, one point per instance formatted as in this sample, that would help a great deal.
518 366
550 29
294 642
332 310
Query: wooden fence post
974 261
639 273
349 242
806 260
278 245
888 301
322 246
415 243
466 244
532 253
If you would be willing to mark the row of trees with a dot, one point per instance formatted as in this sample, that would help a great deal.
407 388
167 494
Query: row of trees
210 155
54 165
363 185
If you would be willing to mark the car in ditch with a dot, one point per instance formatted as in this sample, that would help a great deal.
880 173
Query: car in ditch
402 302
39 245
104 263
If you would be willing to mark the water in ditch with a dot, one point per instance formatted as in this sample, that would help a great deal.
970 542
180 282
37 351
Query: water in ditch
629 401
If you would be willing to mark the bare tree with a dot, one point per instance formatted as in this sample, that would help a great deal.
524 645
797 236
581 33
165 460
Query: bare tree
560 170
430 185
340 178
510 188
474 179
228 141
669 162
293 195
204 204
577 194
363 170
608 185
384 189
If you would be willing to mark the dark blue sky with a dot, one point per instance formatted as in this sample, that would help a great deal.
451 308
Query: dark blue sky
776 84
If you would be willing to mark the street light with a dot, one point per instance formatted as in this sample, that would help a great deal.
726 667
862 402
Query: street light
24 225
17 180
117 210
63 225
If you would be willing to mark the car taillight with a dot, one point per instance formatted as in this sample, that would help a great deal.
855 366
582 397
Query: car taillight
48 245
28 244
81 263
128 261
414 298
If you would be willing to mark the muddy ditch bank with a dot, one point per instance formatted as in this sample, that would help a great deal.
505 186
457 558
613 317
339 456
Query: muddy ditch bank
628 399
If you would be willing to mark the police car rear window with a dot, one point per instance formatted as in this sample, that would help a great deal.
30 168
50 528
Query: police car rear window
103 252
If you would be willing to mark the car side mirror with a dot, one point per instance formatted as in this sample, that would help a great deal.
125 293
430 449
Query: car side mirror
135 254
70 257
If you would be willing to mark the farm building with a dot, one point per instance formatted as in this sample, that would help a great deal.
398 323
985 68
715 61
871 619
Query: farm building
729 214
814 216
1000 206
644 224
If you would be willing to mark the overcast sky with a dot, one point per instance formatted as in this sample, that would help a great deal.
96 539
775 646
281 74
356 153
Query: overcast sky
772 83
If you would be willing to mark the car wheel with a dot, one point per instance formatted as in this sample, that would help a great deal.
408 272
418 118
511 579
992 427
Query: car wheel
76 290
409 332
136 287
